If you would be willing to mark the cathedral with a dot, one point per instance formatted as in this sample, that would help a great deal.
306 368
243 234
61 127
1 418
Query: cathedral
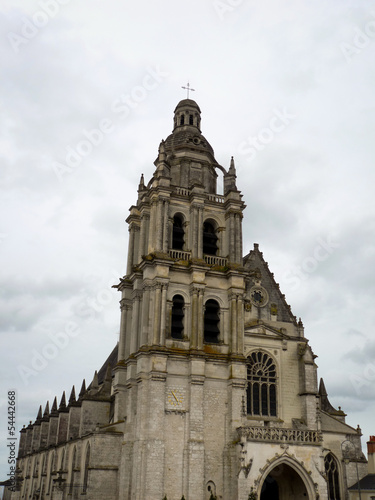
212 390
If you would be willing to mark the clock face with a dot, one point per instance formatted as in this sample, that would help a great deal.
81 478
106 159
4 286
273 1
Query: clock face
258 296
175 398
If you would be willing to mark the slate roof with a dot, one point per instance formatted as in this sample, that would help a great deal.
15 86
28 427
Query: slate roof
366 483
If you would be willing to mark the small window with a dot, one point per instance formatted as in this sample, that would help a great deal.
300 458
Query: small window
209 239
178 233
177 328
182 120
191 122
211 322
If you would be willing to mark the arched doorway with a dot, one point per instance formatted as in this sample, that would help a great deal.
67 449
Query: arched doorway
283 482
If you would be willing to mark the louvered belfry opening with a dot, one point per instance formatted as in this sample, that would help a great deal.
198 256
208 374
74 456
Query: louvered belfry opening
177 330
209 239
211 321
178 233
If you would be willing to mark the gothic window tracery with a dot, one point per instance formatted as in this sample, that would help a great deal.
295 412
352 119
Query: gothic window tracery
177 327
211 321
261 385
331 468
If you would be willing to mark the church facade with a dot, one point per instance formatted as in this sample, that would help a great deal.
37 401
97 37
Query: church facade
212 390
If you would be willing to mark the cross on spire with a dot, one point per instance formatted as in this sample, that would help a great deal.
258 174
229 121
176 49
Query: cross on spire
188 88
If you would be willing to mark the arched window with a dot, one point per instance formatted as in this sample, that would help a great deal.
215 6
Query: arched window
209 239
191 122
86 470
211 321
330 465
72 467
177 327
62 460
178 233
261 385
182 120
51 470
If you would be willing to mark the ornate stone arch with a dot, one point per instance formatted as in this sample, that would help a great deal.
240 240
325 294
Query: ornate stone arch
286 460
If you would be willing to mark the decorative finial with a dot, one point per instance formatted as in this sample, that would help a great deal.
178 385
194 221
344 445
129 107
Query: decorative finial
188 88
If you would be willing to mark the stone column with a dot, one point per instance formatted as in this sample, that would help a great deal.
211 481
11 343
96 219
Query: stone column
165 226
233 310
194 318
199 229
124 306
151 233
131 249
135 323
240 324
200 326
159 225
156 336
142 238
145 315
163 314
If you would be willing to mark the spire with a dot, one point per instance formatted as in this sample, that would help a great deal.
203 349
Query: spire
82 391
325 404
232 168
72 397
62 406
141 184
230 178
39 416
95 383
54 411
46 411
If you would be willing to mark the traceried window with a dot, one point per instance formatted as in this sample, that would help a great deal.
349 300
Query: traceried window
211 321
209 239
330 465
261 385
72 467
86 470
178 233
177 327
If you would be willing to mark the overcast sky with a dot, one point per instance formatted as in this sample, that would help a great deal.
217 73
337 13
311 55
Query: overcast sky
88 91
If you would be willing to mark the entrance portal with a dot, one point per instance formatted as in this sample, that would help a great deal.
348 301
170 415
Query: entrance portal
283 483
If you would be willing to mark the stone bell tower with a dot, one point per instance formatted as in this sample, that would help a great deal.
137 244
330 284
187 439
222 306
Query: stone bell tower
181 373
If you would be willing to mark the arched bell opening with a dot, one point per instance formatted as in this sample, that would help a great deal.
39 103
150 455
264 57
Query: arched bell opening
210 239
178 232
